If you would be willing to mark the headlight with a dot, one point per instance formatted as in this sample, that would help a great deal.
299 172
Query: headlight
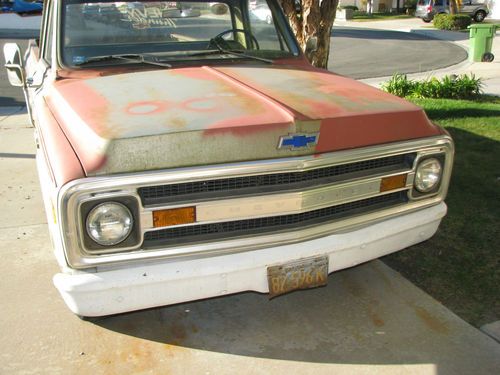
428 175
109 223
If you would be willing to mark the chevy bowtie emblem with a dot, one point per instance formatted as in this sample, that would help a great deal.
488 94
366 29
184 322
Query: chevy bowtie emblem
295 141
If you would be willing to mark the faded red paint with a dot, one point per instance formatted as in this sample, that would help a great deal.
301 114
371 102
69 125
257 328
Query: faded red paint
61 157
204 73
323 107
90 105
298 89
91 108
371 129
250 102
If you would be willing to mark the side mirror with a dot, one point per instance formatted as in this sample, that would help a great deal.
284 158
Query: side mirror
311 45
14 64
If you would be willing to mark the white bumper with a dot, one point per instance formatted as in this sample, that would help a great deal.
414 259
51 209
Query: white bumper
161 283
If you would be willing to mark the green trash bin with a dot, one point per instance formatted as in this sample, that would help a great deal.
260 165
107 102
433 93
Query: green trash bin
481 39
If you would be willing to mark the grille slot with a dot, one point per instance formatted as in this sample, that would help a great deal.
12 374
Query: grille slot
248 185
218 231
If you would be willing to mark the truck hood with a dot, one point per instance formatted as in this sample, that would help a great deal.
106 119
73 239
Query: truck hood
204 115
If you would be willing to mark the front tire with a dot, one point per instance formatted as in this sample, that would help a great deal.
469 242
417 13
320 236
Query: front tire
479 16
488 57
426 20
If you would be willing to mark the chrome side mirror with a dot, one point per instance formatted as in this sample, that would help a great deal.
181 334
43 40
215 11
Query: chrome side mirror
311 45
14 64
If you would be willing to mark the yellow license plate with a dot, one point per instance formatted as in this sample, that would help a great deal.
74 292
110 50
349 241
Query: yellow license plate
301 274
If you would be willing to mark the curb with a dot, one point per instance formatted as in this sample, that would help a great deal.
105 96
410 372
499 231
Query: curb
492 330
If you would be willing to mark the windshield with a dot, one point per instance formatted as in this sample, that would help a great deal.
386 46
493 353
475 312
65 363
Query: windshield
95 32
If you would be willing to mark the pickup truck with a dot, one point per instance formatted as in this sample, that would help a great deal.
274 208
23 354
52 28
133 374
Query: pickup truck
187 151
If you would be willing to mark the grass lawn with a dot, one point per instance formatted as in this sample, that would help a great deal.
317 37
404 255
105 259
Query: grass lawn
460 265
363 17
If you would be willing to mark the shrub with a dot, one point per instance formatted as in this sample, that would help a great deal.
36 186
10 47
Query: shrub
449 87
451 21
399 85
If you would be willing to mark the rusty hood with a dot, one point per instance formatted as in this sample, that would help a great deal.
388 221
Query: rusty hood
204 115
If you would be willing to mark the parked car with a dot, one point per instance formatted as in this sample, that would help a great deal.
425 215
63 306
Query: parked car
22 6
426 9
183 158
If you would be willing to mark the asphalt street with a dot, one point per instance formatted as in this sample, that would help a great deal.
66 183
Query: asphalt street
356 53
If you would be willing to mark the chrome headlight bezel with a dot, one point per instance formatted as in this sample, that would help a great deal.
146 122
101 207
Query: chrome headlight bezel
131 240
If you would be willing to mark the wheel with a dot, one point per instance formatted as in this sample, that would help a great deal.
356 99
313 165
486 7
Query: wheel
219 37
488 57
426 20
480 16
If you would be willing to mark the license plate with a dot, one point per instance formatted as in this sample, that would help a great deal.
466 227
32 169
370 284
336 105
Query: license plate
301 274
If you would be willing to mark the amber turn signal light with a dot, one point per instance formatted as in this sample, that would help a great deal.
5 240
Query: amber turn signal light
393 182
174 216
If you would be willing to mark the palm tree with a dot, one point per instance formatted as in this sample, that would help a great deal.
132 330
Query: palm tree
313 19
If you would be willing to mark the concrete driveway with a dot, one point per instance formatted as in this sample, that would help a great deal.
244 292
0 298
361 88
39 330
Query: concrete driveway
367 320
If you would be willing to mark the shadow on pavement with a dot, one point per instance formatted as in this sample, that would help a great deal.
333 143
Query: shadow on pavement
365 33
366 315
452 36
16 100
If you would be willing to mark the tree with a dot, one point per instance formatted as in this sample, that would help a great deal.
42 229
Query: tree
454 6
314 19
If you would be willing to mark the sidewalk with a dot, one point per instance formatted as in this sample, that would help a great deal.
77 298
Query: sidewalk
14 21
489 72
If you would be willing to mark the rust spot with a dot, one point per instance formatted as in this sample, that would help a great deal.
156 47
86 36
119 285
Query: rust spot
177 122
376 319
352 287
432 322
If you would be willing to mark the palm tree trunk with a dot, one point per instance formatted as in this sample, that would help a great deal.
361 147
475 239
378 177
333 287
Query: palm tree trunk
315 19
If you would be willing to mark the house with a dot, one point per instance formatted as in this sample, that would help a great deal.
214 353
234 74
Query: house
377 5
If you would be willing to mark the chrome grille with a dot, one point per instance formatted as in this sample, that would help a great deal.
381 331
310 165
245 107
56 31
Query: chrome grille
265 183
207 232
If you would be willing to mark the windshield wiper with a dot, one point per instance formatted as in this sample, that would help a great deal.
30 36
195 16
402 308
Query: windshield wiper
221 50
135 58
